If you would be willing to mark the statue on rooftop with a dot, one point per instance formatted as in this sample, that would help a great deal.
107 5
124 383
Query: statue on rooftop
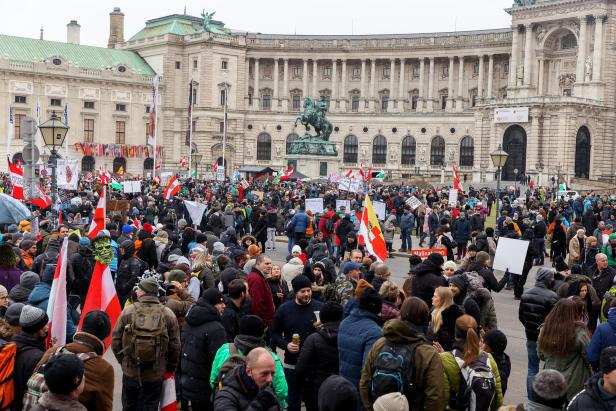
522 3
212 26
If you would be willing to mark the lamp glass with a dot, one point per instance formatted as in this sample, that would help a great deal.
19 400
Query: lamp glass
53 131
197 158
499 157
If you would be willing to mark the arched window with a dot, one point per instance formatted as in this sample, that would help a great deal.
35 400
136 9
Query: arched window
437 151
119 165
467 152
290 139
264 147
87 164
582 153
350 149
148 165
568 42
379 150
409 147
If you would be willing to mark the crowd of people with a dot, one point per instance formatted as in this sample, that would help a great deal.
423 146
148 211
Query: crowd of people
328 327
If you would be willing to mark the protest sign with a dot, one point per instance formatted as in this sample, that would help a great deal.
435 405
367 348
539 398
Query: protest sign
510 255
379 209
315 205
131 186
343 203
453 197
413 202
67 174
424 253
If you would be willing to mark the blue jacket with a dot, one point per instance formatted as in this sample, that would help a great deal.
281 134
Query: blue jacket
39 297
604 336
461 230
300 222
356 335
407 222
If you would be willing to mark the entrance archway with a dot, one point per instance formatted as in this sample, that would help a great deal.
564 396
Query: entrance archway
514 143
582 153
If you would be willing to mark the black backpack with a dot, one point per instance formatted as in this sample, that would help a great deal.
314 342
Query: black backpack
477 390
329 225
393 372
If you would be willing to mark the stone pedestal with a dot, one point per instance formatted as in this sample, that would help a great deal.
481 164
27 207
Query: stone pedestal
311 165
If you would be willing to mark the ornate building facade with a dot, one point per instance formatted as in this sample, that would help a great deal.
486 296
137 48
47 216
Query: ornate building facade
544 88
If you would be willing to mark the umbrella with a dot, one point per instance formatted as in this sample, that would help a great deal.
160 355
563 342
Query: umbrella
12 211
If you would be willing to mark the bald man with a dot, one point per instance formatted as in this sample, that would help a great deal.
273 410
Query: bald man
249 386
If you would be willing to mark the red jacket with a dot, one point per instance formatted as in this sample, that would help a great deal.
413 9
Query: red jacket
322 223
262 303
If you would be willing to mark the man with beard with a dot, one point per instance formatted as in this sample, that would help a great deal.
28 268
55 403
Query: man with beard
295 318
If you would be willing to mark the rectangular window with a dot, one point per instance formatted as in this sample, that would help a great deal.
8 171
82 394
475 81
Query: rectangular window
147 109
20 99
297 72
445 73
356 73
267 102
120 107
250 99
221 127
384 102
147 133
18 118
476 69
296 102
88 130
88 104
177 65
355 103
323 169
56 102
327 72
444 101
386 72
567 92
195 63
416 71
194 96
224 64
414 99
194 125
120 132
222 97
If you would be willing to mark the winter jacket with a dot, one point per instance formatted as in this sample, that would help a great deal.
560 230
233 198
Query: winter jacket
389 310
573 365
487 312
575 256
170 358
602 280
593 398
427 366
428 277
9 277
279 287
407 221
39 297
240 393
356 335
446 333
291 270
83 265
604 336
535 305
58 402
244 344
300 222
487 273
607 250
434 222
147 253
30 349
232 315
389 228
97 394
130 268
318 359
261 302
293 318
345 226
461 230
202 335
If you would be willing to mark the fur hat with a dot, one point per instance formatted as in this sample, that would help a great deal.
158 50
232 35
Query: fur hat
300 282
550 389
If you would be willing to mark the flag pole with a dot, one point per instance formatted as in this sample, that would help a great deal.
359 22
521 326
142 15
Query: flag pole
154 127
224 135
190 128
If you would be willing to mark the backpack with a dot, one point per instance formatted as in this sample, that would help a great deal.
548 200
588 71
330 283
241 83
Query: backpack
36 385
606 303
474 281
477 389
393 372
8 351
329 225
145 338
235 359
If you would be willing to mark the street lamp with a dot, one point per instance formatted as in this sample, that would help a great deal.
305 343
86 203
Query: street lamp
196 159
53 132
499 158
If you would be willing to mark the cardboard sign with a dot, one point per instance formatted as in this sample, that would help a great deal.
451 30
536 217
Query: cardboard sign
118 206
510 255
413 202
426 252
343 203
315 205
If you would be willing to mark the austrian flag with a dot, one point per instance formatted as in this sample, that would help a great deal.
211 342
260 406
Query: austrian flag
172 188
98 222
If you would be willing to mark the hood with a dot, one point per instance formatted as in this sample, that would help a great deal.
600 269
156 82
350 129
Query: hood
329 331
481 295
85 250
202 313
398 331
53 245
246 343
543 276
40 293
481 236
427 267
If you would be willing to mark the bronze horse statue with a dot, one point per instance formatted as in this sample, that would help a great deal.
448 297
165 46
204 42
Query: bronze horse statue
314 115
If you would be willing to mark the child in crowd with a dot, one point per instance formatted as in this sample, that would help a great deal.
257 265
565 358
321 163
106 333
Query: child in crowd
495 343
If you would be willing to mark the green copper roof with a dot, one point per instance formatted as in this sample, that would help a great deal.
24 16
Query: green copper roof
36 51
175 24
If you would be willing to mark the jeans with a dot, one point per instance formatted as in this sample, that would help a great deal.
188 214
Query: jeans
140 397
271 238
293 400
290 243
407 242
432 240
540 244
330 247
533 366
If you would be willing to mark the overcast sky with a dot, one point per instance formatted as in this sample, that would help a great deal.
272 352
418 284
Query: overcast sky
25 17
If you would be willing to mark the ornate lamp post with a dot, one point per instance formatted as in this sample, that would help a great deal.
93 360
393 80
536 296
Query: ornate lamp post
499 158
54 132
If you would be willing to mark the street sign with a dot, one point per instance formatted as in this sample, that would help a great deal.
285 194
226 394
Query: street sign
28 129
30 153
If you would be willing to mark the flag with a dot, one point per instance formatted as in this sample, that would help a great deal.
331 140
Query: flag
215 167
172 188
168 400
240 192
195 210
120 171
60 218
11 128
115 185
370 233
562 187
43 201
368 176
188 140
381 174
136 223
350 174
157 167
287 174
361 171
102 296
98 221
456 180
103 176
56 307
245 183
17 180
182 162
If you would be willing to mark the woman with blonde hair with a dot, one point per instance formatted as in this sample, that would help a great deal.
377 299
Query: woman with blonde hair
443 319
390 293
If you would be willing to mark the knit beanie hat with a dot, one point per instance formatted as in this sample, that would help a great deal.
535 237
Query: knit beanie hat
337 394
458 281
299 282
496 340
550 389
213 296
436 259
394 401
177 275
32 319
63 373
97 323
13 313
296 248
252 325
370 300
482 257
127 229
26 244
607 360
149 286
331 311
219 247
576 269
361 286
29 279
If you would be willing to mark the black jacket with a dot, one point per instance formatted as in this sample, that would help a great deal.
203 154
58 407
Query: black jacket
590 398
259 230
490 281
30 350
535 305
428 277
602 281
130 269
202 335
344 228
83 265
240 393
446 334
232 315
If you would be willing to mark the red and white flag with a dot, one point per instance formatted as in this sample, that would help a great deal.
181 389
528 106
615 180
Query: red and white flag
17 180
43 201
182 162
215 167
168 400
172 188
350 174
56 307
104 177
102 296
60 218
456 180
370 233
287 174
98 221
368 176
136 223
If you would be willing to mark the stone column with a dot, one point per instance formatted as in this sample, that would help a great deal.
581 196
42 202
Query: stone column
372 84
581 60
431 86
257 96
450 96
541 81
334 96
460 103
315 74
532 154
480 78
275 76
598 53
285 85
363 92
305 80
401 92
392 92
528 54
422 79
513 66
247 85
343 91
489 92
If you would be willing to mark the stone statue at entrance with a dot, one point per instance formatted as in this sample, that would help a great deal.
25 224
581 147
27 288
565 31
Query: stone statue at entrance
314 115
212 26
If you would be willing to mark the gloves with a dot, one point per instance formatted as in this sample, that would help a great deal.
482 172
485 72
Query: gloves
266 397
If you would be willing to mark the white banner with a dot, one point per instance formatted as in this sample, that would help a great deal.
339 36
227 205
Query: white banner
195 210
67 174
413 202
511 115
315 205
379 209
453 197
343 203
353 185
131 186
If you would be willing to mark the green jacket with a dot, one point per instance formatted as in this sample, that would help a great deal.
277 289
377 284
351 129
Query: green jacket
607 251
427 367
279 382
452 377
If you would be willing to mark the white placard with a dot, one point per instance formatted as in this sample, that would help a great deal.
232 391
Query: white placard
379 209
165 177
453 197
131 186
350 184
510 254
511 115
315 205
343 203
413 202
67 174
196 210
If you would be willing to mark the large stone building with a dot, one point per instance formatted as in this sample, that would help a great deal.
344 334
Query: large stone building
408 104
